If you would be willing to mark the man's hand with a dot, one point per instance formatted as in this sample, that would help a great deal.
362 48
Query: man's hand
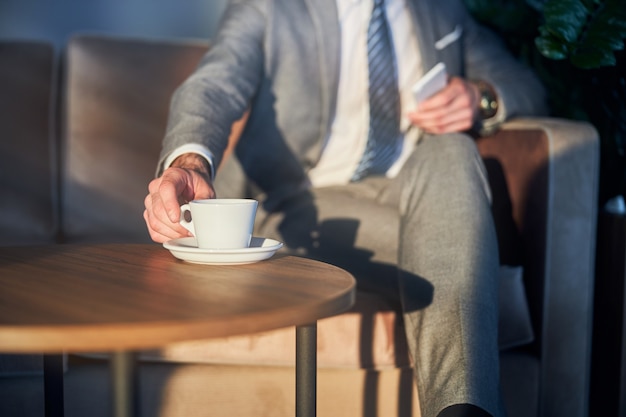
453 109
187 179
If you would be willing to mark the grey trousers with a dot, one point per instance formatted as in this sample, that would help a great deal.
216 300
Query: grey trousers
426 240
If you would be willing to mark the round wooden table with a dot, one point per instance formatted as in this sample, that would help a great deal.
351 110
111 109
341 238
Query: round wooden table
126 297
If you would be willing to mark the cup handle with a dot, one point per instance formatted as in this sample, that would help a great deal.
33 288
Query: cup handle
184 209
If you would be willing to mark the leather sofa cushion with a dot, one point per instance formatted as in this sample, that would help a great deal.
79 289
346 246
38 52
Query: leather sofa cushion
116 100
27 170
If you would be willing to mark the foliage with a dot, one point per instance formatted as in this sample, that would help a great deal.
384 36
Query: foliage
577 48
585 31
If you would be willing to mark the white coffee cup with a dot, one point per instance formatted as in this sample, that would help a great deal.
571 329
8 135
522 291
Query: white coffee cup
220 223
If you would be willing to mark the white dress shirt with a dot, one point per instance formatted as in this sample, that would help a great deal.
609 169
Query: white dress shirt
348 136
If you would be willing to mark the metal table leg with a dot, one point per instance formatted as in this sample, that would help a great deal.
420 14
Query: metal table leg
53 385
125 384
306 370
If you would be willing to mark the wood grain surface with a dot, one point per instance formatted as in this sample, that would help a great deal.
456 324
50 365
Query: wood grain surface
82 298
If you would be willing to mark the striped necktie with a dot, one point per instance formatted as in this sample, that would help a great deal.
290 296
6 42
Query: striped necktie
384 142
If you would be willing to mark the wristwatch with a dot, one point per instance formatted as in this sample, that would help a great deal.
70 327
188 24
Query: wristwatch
488 100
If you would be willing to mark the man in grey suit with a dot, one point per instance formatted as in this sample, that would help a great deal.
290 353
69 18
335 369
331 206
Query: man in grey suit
303 72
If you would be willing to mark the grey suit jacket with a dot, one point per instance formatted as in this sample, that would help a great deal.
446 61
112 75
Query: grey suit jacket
280 59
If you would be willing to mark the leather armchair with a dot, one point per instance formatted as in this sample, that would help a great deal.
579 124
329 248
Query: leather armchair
544 172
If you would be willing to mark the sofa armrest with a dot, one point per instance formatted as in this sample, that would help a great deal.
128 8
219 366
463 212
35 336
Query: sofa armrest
550 167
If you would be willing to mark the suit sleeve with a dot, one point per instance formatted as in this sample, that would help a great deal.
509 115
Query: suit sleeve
205 106
519 90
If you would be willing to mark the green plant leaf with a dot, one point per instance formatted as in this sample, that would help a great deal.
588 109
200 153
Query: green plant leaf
603 35
586 31
565 19
551 48
588 58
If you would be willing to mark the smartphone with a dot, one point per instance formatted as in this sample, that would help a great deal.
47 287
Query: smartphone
433 81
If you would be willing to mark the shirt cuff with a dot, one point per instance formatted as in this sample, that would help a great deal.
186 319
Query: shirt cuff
196 148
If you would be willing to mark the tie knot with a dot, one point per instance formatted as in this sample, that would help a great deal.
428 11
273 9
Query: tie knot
379 3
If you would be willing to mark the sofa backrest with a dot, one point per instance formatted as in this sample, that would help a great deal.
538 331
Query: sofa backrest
27 165
116 95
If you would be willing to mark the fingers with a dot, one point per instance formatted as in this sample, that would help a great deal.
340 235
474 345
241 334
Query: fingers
440 122
160 227
453 109
162 204
156 235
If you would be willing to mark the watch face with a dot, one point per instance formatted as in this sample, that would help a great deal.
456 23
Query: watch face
488 103
488 106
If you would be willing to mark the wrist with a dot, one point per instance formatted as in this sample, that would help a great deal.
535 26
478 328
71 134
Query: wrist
194 162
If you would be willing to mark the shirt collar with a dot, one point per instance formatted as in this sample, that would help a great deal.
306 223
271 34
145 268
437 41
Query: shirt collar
393 6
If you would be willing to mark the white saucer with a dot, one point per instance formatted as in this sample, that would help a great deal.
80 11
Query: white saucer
187 250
